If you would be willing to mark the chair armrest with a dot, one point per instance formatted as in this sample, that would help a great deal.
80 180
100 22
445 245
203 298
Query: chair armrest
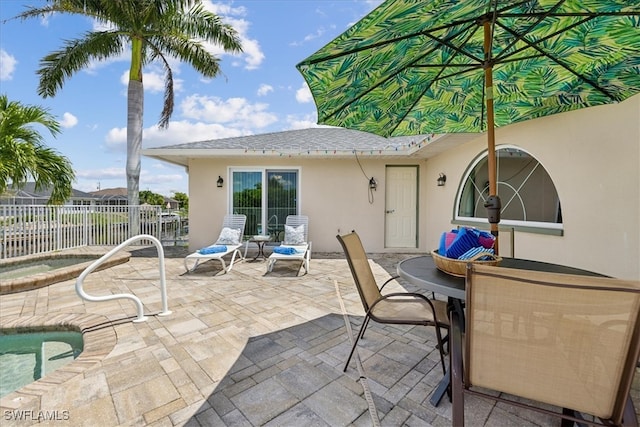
457 369
387 281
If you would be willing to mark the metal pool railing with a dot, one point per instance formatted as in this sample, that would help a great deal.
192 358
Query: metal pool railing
33 229
163 283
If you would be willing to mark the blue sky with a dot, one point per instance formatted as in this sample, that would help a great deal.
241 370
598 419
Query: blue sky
260 90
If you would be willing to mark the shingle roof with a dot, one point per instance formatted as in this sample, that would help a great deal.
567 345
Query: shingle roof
320 138
318 142
117 191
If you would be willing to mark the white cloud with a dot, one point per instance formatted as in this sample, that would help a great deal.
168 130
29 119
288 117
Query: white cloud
147 178
178 132
236 112
107 173
7 65
303 95
252 55
68 120
153 81
116 139
264 89
304 122
309 37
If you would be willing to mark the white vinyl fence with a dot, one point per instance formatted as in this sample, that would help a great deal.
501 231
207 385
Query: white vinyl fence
33 229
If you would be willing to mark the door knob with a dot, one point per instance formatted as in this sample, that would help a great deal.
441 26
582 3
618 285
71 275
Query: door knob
391 211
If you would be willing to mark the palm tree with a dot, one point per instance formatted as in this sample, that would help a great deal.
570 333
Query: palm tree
23 154
154 30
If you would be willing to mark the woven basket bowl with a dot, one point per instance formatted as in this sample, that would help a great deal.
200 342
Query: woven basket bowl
458 267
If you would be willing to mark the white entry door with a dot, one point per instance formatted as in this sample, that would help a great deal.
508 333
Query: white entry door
401 203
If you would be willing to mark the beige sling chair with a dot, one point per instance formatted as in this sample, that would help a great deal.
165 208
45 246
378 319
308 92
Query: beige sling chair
400 308
568 341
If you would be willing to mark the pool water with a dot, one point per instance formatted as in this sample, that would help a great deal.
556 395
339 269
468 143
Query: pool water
27 357
14 271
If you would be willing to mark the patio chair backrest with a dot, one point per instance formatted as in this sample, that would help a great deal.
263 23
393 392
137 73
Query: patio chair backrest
360 269
297 220
565 340
236 221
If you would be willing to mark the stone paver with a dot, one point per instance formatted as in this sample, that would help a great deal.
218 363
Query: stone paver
244 348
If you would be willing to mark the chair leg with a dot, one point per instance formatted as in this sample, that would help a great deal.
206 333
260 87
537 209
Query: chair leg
355 343
224 264
629 417
455 364
441 348
366 324
233 258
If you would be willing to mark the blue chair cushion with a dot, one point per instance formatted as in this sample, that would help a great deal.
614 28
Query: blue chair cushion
212 249
284 250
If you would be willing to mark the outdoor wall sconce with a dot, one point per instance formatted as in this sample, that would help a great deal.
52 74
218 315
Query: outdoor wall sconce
373 184
220 181
442 178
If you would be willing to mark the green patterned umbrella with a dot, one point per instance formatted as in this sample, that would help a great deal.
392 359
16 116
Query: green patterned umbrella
442 66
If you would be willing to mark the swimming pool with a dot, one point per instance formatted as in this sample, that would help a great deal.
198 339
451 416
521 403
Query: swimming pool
29 268
27 357
36 271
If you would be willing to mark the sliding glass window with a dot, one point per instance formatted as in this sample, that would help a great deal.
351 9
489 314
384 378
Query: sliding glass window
266 210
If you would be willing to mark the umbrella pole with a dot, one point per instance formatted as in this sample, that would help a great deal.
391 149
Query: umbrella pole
491 143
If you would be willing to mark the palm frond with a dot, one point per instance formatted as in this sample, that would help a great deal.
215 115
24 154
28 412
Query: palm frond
56 67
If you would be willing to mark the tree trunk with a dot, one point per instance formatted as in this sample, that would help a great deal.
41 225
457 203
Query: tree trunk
135 109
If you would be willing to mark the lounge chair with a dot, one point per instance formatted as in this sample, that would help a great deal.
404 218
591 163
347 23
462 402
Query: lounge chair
229 242
569 343
399 308
296 245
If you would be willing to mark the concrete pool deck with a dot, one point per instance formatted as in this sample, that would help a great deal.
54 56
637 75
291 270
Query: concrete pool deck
244 348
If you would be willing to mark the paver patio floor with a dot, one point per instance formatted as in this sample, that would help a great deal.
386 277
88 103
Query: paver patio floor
239 349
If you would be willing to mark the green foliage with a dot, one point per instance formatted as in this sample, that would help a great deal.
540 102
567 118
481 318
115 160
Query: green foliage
183 199
24 155
151 198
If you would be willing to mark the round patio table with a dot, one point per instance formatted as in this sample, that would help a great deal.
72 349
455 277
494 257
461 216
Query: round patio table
422 272
260 240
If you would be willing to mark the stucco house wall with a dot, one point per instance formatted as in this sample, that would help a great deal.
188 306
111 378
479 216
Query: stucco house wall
593 158
334 194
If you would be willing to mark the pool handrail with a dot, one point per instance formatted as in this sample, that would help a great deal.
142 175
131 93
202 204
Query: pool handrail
163 286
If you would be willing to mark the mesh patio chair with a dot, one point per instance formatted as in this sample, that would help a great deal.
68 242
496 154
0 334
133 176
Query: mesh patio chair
568 341
400 308
296 245
229 242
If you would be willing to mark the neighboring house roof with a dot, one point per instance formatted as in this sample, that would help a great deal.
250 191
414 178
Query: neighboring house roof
319 142
118 191
28 191
111 194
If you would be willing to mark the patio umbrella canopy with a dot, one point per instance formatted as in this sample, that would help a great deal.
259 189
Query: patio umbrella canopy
414 67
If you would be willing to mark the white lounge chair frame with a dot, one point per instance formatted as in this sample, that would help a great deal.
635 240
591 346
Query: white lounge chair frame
231 221
303 252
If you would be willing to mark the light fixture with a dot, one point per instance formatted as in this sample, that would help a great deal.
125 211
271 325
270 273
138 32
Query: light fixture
442 178
373 184
220 181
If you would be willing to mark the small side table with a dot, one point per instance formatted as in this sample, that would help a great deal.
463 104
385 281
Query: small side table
259 240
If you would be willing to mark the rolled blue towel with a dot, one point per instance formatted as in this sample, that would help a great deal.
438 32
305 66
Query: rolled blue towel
284 250
212 249
465 241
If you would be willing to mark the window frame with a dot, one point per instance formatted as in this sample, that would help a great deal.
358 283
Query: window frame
539 227
264 170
